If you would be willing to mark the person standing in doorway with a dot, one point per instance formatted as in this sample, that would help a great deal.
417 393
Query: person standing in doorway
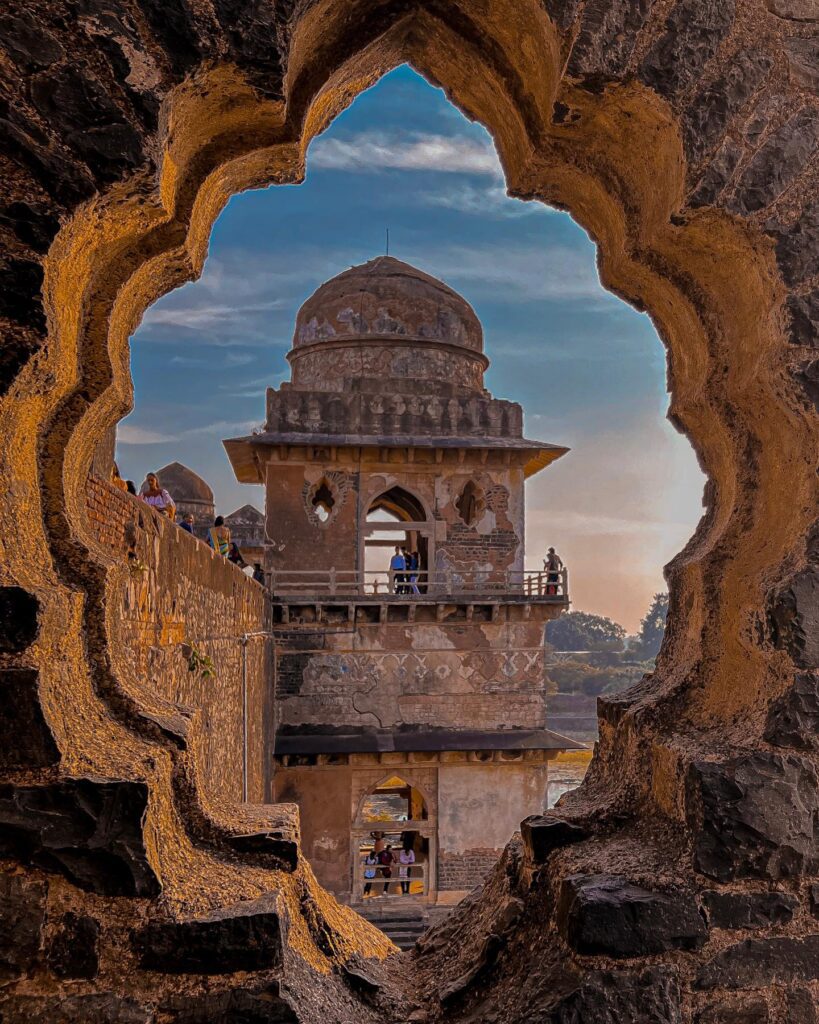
397 567
414 565
386 858
219 536
552 563
370 867
405 858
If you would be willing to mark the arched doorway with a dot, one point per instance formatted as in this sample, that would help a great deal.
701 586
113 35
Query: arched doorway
396 518
393 843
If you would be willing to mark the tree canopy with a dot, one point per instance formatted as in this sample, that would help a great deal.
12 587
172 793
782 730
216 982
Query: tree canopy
582 631
652 628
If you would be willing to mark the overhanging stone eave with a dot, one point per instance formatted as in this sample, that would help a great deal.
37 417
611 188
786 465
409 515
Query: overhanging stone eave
429 741
235 445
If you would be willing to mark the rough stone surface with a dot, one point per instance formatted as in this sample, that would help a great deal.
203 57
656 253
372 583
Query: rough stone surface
242 937
22 916
754 817
778 161
27 741
804 312
803 61
608 915
795 619
543 834
95 1008
749 1010
748 910
73 951
649 997
693 32
759 962
793 720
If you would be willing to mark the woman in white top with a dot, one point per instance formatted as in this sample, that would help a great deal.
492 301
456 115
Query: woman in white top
155 495
405 859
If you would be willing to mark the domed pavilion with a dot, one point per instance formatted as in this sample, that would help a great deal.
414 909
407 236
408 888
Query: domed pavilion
191 494
413 686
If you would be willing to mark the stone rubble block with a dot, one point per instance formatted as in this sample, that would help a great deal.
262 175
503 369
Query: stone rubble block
748 910
242 937
794 619
651 996
543 834
756 963
88 830
74 950
793 720
608 915
754 817
95 1008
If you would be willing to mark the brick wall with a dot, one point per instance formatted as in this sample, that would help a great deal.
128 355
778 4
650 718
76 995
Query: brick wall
460 871
184 592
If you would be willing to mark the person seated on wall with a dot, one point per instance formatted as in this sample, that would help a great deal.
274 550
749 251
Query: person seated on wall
397 566
187 522
219 536
155 495
235 555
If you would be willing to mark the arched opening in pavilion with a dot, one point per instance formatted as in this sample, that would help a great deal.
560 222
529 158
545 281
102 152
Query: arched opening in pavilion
396 518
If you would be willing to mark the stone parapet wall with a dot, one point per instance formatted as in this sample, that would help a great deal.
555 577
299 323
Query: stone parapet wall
181 594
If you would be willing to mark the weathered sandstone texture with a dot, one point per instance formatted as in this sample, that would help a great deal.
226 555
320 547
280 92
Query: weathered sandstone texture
684 136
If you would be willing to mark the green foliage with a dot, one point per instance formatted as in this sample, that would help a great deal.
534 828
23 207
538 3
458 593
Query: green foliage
581 631
202 663
652 628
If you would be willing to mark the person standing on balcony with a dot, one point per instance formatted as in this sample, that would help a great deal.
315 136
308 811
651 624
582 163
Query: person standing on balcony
552 563
386 858
397 566
414 565
155 495
219 536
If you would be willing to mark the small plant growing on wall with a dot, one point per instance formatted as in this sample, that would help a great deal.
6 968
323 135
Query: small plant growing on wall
198 661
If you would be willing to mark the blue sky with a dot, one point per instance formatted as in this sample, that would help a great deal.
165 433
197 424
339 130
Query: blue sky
588 370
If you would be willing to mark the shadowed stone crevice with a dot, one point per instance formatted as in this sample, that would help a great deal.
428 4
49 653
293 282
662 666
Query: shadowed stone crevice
26 741
91 832
243 937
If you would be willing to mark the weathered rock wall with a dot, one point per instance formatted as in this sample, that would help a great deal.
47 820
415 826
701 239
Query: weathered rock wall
181 599
682 134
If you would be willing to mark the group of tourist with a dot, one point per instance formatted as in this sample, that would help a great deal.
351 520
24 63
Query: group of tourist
404 569
380 861
218 537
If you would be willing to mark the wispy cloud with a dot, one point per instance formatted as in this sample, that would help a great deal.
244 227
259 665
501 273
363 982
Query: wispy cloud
205 315
375 151
128 433
131 434
491 201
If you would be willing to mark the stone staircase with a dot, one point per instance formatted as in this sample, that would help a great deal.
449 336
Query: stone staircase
404 924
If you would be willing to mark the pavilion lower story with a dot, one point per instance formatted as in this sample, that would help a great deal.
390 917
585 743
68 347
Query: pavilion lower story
454 800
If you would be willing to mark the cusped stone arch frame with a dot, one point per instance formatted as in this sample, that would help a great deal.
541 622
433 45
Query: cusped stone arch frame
631 123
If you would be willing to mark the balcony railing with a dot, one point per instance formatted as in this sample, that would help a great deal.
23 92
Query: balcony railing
377 884
419 584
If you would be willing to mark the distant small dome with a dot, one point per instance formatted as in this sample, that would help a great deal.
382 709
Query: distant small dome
247 515
387 297
184 485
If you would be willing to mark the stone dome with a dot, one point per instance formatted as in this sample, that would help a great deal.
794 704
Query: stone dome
184 485
387 298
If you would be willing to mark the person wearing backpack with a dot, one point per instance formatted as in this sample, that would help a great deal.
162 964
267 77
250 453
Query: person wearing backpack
386 858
